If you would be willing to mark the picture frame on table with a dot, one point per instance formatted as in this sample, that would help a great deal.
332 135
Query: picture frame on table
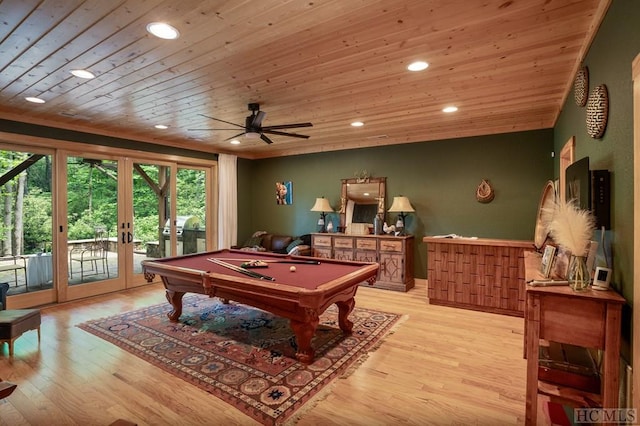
560 268
548 257
591 257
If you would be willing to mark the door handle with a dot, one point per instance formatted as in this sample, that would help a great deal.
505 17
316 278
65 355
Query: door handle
129 237
123 238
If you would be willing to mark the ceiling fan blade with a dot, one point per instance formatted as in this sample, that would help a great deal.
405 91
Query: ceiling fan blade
293 135
265 138
217 119
233 137
193 130
257 119
287 126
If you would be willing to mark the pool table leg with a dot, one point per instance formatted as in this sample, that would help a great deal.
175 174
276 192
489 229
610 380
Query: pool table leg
175 299
304 332
344 309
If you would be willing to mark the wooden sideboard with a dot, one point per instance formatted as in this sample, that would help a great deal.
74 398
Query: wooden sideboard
480 274
394 254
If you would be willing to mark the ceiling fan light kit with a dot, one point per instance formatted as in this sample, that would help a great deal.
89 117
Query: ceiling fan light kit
253 128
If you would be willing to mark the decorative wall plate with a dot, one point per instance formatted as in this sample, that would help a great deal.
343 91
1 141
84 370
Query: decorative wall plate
545 214
581 86
597 111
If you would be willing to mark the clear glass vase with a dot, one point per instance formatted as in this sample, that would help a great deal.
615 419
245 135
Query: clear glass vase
579 276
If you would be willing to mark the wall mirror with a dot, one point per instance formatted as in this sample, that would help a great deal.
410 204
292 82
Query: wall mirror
361 200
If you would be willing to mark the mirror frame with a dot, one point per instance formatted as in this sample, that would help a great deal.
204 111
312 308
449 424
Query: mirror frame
382 188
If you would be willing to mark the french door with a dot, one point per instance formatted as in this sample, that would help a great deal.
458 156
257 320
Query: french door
91 253
102 216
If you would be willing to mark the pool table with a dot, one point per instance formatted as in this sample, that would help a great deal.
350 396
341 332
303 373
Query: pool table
301 295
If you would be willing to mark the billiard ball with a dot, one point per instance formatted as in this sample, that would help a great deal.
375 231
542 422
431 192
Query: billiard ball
292 269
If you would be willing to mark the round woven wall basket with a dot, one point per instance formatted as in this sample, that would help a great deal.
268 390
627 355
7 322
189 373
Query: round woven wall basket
484 193
581 87
597 111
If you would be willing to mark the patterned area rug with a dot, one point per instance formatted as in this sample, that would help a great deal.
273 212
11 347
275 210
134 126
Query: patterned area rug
243 355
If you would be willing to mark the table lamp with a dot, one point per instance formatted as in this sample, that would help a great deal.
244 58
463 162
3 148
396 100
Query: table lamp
401 205
322 205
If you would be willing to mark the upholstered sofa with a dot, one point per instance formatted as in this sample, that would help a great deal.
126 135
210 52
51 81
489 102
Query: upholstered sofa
285 244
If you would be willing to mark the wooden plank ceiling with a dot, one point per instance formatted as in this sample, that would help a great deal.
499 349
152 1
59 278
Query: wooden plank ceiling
508 65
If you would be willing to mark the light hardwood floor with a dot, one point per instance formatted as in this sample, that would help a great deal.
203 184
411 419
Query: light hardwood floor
441 366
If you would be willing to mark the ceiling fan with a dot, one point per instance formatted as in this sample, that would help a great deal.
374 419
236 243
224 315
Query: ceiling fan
253 126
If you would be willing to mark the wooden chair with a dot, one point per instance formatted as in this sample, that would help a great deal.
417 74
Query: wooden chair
14 264
14 322
91 256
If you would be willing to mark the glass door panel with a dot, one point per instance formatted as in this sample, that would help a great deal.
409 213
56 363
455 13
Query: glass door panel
26 257
151 191
191 212
92 216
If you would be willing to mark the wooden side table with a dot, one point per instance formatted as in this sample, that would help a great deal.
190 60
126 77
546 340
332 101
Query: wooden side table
590 319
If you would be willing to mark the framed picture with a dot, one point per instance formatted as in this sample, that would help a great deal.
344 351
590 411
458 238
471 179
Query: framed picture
548 257
284 193
591 257
560 267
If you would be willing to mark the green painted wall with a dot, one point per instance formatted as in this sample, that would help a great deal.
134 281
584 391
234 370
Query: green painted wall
609 60
440 178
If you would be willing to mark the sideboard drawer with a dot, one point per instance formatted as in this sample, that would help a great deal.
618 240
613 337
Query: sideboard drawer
322 240
345 243
366 244
391 245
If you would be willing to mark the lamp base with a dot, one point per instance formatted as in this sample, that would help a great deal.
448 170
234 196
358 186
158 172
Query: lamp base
400 225
322 228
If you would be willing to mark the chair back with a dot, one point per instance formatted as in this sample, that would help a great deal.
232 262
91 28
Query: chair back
100 237
4 289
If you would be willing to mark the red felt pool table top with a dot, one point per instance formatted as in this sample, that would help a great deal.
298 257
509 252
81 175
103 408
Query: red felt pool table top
307 276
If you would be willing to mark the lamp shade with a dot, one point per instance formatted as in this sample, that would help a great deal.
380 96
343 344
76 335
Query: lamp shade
321 205
401 204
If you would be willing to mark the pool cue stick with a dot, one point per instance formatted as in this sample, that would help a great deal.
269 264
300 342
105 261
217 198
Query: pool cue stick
241 270
304 262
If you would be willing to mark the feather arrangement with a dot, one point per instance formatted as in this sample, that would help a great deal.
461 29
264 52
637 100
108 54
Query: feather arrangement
571 227
547 212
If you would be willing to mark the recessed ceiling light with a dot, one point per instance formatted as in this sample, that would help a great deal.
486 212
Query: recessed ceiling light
161 126
418 66
450 109
357 124
83 74
34 100
162 30
235 142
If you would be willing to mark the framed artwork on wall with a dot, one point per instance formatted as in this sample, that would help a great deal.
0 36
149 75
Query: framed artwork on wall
284 193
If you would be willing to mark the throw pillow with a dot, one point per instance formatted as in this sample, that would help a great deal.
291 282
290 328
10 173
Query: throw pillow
252 242
295 243
306 239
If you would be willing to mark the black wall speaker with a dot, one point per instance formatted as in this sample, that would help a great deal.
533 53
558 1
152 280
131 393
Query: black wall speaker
601 197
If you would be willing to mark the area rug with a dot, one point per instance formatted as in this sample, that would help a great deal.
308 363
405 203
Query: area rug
243 355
